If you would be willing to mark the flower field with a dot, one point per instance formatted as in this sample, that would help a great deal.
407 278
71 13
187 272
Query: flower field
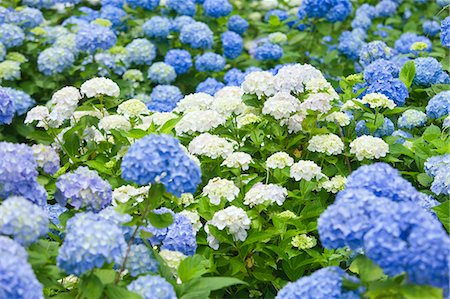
288 149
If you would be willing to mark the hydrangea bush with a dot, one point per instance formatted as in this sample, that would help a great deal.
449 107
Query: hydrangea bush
224 149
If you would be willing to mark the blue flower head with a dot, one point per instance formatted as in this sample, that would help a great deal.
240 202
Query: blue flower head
161 73
431 28
428 71
209 86
157 27
11 35
411 119
180 236
332 10
140 52
437 167
26 18
90 242
114 14
182 7
160 158
232 44
350 44
53 61
46 158
146 4
386 8
282 15
164 98
234 77
268 51
83 188
152 287
22 101
24 221
445 32
39 3
180 60
373 51
179 22
237 24
141 261
380 69
401 136
93 37
394 89
404 43
341 10
197 35
115 3
217 8
439 105
209 62
7 107
385 130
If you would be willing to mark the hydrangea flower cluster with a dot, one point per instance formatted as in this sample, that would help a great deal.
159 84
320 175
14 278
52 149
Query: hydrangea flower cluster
152 287
437 167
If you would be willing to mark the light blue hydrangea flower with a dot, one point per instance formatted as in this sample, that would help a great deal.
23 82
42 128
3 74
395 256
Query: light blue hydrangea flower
439 105
93 37
234 77
67 41
39 3
164 98
152 287
179 22
394 89
197 35
46 158
180 60
411 119
431 27
350 44
119 219
19 174
237 24
161 73
159 158
83 188
146 4
438 167
7 107
217 8
381 69
385 130
115 3
17 279
113 14
90 242
268 51
406 40
26 18
428 71
53 61
22 220
210 62
157 27
386 8
140 52
182 7
445 32
373 51
333 11
232 44
141 261
209 86
11 35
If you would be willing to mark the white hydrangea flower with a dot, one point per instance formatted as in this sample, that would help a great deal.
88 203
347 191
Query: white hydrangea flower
114 122
218 188
446 123
92 134
211 146
304 241
293 78
234 219
329 144
268 4
199 121
340 118
213 242
317 102
320 84
369 147
158 118
247 119
261 193
229 91
172 258
351 105
259 83
63 104
281 105
306 170
238 160
195 102
194 218
39 114
124 193
378 100
279 160
335 184
191 156
132 108
227 105
294 122
77 115
100 86
187 199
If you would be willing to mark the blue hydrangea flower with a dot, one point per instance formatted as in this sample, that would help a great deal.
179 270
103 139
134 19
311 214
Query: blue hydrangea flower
24 221
217 8
237 24
385 130
160 158
411 119
157 27
402 135
53 212
431 28
88 14
443 3
39 3
115 3
152 287
445 32
282 15
341 10
180 60
113 14
350 44
179 22
83 188
26 18
381 69
268 51
434 164
182 7
141 260
428 71
46 158
332 10
158 234
53 61
373 51
209 86
18 174
7 107
394 89
234 77
325 283
92 37
108 62
11 35
22 101
146 4
67 41
437 167
164 98
209 62
232 44
439 105
2 52
180 236
119 219
90 242
362 21
140 52
17 279
406 40
162 73
197 35
383 31
386 8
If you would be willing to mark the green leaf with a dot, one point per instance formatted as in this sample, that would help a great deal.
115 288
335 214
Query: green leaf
431 133
201 287
424 179
366 269
192 267
106 276
407 73
91 287
420 292
160 220
115 292
442 211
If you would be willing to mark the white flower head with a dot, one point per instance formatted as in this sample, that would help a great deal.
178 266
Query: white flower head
369 147
378 100
293 78
247 119
114 122
329 144
199 121
218 188
125 193
279 160
320 102
63 104
259 83
211 146
281 105
229 91
238 160
39 114
234 219
306 170
335 184
265 193
340 118
294 122
172 258
227 106
132 108
194 218
100 86
195 102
